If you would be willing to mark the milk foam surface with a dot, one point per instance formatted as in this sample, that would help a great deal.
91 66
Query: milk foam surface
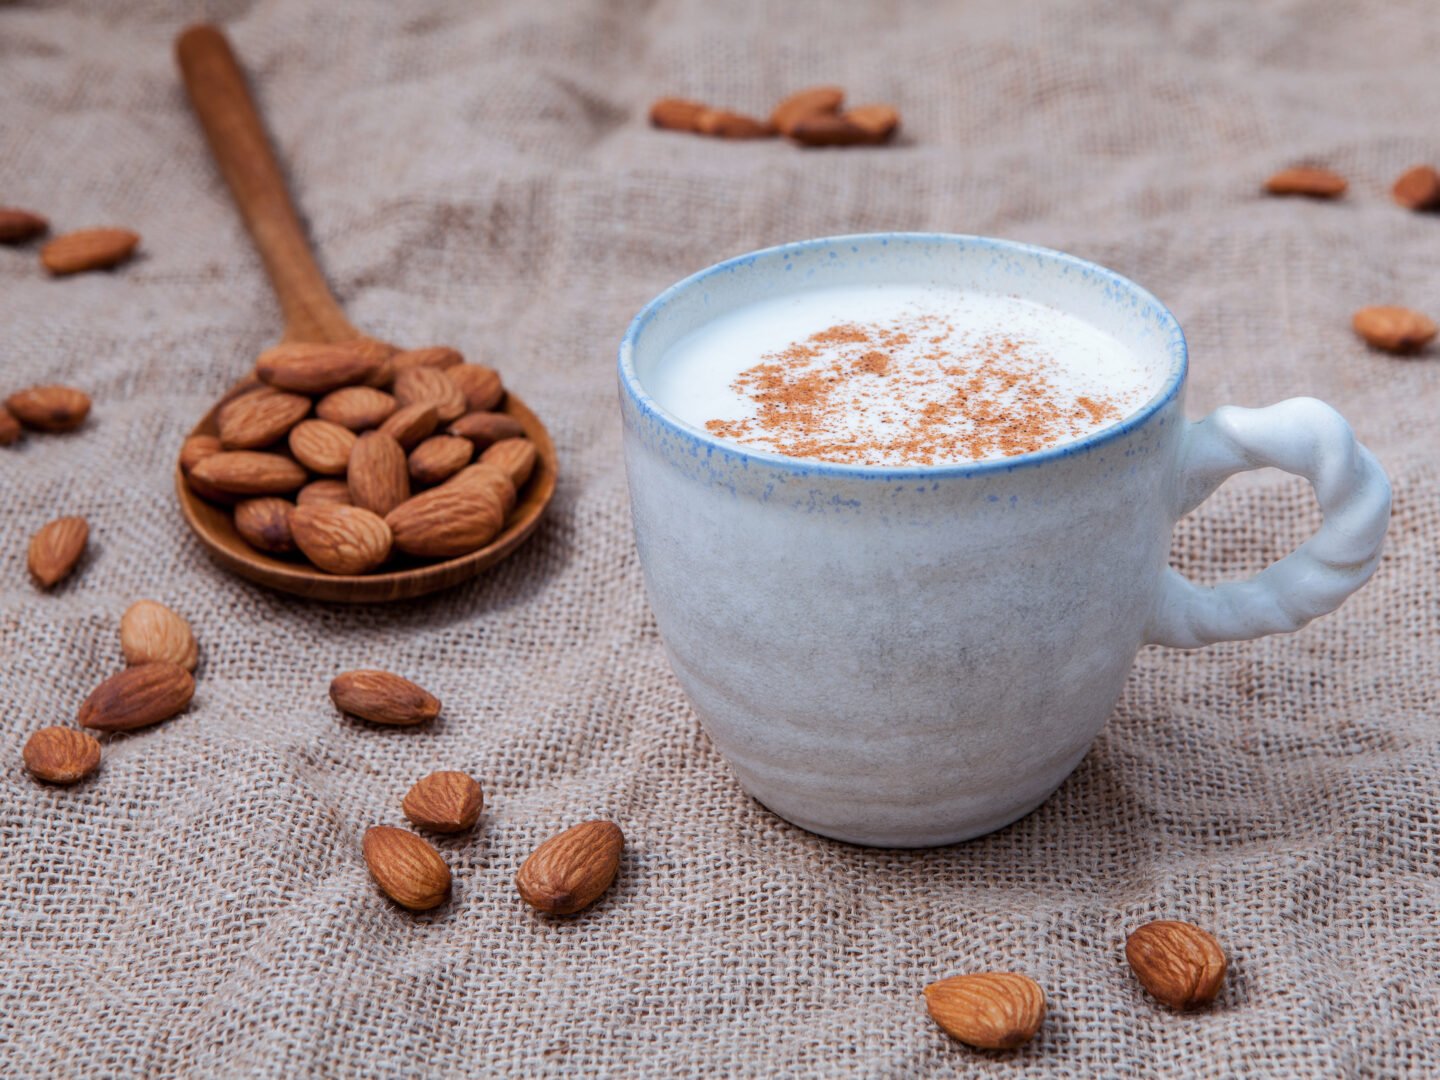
900 374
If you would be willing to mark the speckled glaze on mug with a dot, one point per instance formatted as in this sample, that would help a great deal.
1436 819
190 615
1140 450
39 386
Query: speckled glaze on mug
914 656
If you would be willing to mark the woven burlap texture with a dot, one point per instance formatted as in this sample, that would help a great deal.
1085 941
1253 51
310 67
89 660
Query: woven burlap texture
483 175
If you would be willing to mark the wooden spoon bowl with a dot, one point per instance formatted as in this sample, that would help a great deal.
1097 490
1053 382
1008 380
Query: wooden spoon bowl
237 139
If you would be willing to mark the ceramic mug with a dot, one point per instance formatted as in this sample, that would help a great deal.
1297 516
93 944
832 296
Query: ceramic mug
912 656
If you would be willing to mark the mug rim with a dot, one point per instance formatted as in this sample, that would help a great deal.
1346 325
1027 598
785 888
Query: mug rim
630 382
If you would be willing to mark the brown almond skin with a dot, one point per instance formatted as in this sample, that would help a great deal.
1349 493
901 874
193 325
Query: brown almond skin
484 428
356 407
438 458
138 697
151 633
430 386
324 493
264 524
569 872
88 249
676 114
341 539
879 122
249 472
407 869
813 100
55 549
447 521
381 354
991 1011
411 425
1307 181
444 802
315 369
260 417
515 456
724 124
436 356
10 429
61 755
17 226
1394 329
50 408
1181 965
378 475
322 446
196 449
1418 188
823 130
491 481
481 386
383 697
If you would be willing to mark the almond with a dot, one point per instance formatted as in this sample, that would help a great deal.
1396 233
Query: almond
412 424
436 356
264 524
382 354
138 697
1418 188
324 493
196 449
10 429
439 458
50 408
356 407
340 539
808 102
260 417
56 548
150 632
481 386
515 457
489 480
484 428
88 249
407 869
1304 180
383 698
569 872
446 521
61 755
877 121
17 226
322 446
825 130
314 369
676 114
249 472
444 802
992 1011
430 386
1180 964
725 124
377 475
1394 329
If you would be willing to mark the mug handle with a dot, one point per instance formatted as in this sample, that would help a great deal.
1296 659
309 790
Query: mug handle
1310 439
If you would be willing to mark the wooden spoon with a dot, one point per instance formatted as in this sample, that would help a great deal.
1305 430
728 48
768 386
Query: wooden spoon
232 124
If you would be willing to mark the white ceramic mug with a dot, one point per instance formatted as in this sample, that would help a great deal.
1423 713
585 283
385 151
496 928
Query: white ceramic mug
914 656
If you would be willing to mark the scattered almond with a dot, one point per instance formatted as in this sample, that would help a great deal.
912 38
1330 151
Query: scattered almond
150 632
447 521
314 369
484 428
50 408
481 386
1418 188
383 698
249 472
10 429
407 869
1180 964
436 356
340 539
991 1011
1303 180
676 114
378 477
264 524
88 249
822 129
569 872
56 548
138 697
516 457
356 407
322 446
439 458
324 493
17 226
730 125
196 449
815 100
1394 329
61 755
444 802
879 122
260 417
411 425
430 386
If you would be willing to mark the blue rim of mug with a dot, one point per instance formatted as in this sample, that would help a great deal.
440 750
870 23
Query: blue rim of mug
652 410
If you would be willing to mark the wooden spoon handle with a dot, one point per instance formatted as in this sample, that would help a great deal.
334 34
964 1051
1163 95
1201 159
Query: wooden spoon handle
237 139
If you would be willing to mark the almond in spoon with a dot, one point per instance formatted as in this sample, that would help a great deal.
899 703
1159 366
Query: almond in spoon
322 446
315 369
150 632
264 524
516 457
60 755
438 458
569 872
249 472
436 356
445 802
430 386
340 539
196 449
260 417
378 476
383 697
412 424
407 869
324 493
448 520
56 548
356 407
138 697
481 386
484 428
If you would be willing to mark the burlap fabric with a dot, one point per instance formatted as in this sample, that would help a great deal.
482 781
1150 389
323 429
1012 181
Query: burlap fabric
484 175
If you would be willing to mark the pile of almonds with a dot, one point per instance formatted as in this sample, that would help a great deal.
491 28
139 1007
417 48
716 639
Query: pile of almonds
74 252
355 453
809 117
